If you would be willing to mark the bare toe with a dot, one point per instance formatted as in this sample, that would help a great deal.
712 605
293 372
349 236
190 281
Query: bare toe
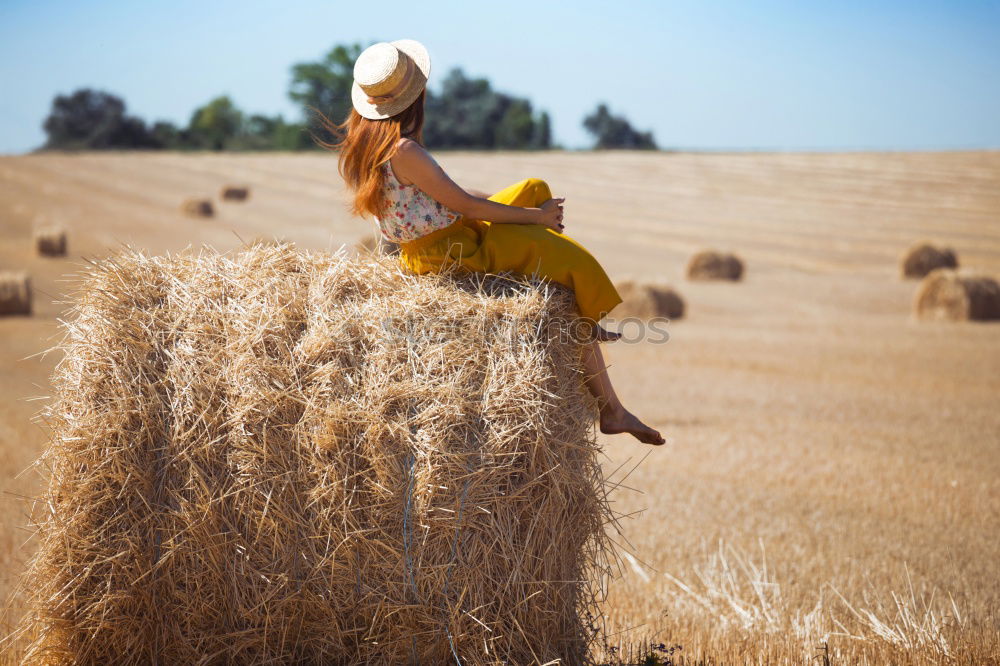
625 421
650 436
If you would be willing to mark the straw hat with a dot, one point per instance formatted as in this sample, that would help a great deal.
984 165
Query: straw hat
388 76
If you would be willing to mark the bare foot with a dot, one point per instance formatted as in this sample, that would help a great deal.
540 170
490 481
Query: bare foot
604 335
614 422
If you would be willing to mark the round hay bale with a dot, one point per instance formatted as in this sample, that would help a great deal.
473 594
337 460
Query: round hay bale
376 244
198 208
713 265
51 241
235 193
948 295
15 293
647 300
273 456
923 258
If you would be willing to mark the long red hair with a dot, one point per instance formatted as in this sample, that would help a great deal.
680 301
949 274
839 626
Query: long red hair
365 145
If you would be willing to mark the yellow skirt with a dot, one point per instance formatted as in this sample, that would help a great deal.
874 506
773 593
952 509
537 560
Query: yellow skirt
528 249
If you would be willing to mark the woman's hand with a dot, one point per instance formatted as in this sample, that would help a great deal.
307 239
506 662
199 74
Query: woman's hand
552 214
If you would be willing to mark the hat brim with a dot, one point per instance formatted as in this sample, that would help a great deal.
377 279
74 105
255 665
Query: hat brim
421 58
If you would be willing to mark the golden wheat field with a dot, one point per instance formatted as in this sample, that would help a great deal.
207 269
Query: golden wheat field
830 491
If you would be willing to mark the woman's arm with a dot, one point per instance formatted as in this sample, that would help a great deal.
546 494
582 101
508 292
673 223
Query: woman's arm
416 165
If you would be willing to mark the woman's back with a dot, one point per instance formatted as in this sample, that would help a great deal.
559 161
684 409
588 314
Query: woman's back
411 212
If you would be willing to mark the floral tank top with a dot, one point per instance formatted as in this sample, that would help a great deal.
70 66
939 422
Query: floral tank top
412 212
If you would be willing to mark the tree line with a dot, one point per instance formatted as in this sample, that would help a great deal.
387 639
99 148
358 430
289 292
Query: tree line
466 113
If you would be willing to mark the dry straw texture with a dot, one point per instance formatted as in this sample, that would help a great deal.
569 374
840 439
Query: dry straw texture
15 293
377 244
235 193
198 208
269 240
950 295
647 300
281 457
923 258
51 242
712 265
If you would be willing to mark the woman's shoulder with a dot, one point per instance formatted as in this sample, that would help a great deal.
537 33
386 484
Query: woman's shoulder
410 158
407 147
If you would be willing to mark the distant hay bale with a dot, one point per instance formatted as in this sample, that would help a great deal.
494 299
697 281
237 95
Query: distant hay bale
235 193
647 300
15 293
712 265
50 241
949 295
923 258
198 208
377 244
285 457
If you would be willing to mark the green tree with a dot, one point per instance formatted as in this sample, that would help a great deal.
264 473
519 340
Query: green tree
517 126
217 125
167 134
291 136
542 137
262 132
326 85
470 114
611 131
91 119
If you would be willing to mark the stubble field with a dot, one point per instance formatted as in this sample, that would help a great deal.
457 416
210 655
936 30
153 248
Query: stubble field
832 483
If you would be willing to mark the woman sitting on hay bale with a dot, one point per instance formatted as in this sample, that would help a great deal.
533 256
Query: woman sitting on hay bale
437 223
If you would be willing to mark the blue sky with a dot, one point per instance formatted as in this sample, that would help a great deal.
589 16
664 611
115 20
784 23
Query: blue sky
740 74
